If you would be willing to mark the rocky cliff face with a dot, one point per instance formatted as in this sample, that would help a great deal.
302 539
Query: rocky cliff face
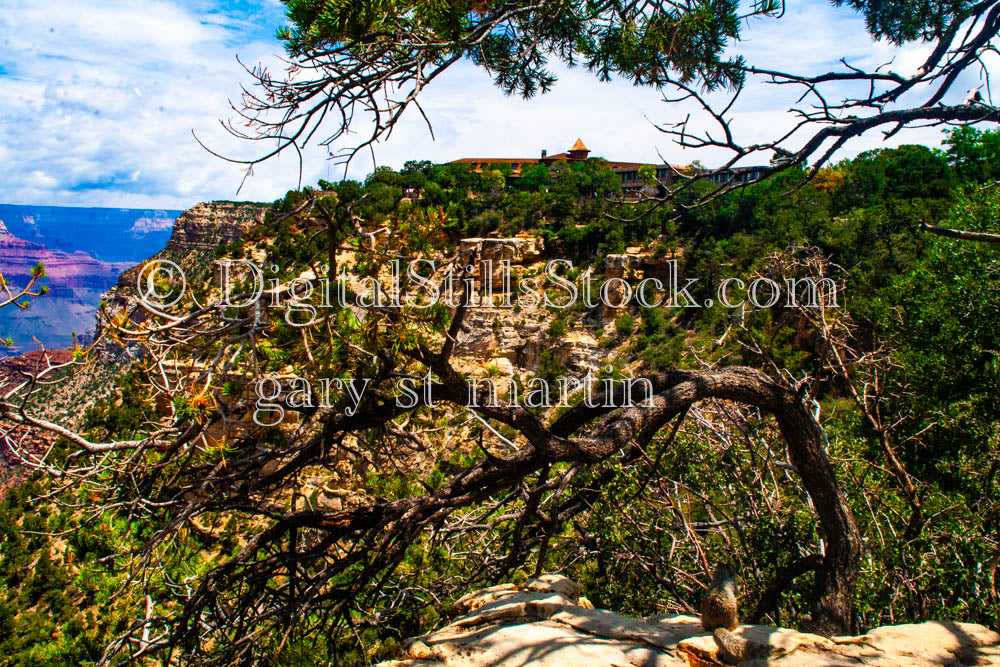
514 339
198 231
196 234
205 226
548 623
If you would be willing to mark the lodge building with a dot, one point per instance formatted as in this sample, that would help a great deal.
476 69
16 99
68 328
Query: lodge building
666 174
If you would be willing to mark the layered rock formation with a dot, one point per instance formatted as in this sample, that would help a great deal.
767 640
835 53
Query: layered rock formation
512 339
107 234
66 270
547 623
75 280
196 234
204 226
198 231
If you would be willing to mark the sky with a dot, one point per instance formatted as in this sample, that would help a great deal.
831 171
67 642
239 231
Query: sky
99 99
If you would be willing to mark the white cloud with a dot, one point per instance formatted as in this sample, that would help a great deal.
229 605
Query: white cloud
43 179
100 100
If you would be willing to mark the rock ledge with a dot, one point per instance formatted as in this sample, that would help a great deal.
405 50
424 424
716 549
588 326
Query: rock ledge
547 623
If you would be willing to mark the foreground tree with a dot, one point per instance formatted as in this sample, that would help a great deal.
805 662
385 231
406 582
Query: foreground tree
12 296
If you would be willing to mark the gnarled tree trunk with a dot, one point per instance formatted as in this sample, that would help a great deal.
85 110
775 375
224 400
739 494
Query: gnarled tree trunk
836 578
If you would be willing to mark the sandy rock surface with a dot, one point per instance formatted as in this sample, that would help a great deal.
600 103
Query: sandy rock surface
546 623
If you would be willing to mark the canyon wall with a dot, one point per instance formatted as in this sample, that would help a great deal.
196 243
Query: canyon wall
75 281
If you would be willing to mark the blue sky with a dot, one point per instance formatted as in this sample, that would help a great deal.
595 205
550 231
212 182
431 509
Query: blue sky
98 100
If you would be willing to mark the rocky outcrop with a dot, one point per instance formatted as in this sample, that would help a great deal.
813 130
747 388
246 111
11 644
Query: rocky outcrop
513 341
547 623
512 338
634 265
519 249
204 226
197 232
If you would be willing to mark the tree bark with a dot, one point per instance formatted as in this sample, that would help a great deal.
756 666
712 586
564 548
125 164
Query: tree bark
836 579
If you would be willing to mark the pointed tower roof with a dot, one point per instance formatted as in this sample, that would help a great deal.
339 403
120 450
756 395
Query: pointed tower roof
578 146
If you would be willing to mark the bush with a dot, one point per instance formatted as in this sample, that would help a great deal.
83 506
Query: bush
625 324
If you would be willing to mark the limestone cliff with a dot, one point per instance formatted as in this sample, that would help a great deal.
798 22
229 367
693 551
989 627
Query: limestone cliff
197 232
513 340
204 226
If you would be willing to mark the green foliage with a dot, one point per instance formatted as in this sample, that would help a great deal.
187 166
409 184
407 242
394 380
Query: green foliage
625 323
904 173
974 153
634 41
903 21
933 302
536 177
54 605
121 417
558 326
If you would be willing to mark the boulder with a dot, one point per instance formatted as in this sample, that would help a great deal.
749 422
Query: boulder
781 641
555 583
540 644
547 623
